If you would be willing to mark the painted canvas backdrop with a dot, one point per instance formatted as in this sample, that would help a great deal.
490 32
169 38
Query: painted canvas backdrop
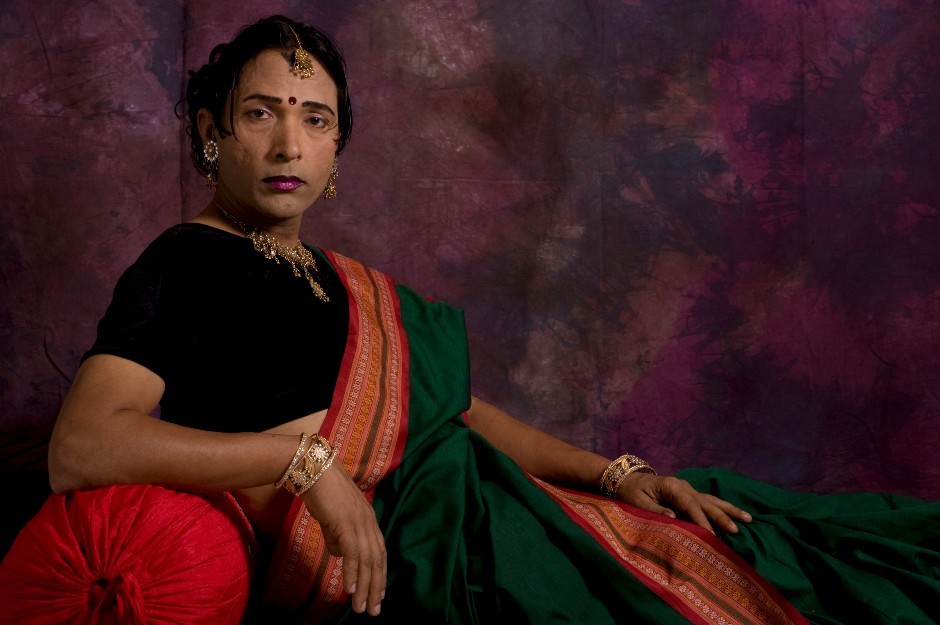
703 232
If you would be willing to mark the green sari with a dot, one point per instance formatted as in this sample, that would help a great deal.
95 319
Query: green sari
847 558
473 539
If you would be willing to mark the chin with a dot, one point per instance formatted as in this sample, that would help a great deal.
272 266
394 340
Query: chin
286 204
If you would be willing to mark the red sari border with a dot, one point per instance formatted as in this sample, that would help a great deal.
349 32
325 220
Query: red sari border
694 572
689 568
367 422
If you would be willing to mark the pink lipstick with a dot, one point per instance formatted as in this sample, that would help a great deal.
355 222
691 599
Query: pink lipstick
283 183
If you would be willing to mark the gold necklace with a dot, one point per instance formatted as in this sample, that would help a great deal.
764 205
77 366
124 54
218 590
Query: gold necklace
298 256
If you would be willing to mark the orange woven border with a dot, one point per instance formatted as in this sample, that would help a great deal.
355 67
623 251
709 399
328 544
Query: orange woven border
690 569
366 422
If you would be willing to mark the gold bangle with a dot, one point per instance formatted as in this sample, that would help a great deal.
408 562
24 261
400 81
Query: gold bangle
293 463
326 465
310 467
619 469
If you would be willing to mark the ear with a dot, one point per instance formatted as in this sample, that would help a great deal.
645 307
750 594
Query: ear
206 125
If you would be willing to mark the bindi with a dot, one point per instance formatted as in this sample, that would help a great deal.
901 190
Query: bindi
292 100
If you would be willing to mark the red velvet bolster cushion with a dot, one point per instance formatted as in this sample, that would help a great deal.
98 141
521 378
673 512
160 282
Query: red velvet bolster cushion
130 554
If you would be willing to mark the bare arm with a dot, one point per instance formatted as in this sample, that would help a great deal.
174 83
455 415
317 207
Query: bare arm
105 435
548 458
538 453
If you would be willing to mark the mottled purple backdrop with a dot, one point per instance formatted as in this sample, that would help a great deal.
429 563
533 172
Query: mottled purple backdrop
705 232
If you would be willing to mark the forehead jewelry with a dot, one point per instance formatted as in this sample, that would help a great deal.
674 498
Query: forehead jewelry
292 100
303 65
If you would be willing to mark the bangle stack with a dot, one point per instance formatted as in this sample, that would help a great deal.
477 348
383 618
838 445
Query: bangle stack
308 466
619 469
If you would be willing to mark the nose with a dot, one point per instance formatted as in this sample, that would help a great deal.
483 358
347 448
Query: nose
287 142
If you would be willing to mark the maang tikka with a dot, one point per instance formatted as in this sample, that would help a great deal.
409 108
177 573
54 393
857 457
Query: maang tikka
303 64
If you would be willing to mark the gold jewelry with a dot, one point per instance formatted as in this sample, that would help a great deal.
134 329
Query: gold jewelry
330 191
306 473
619 469
326 465
303 65
293 463
298 256
210 151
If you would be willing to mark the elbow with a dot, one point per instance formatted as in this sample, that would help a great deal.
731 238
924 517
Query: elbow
57 487
64 471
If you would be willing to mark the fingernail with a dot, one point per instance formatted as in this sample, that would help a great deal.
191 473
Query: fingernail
378 609
748 517
732 527
383 594
362 606
352 589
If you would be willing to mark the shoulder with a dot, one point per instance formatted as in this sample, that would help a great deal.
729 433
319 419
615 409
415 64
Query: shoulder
351 270
188 240
176 258
348 267
184 248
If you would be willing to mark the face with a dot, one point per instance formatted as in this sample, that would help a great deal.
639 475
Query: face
279 159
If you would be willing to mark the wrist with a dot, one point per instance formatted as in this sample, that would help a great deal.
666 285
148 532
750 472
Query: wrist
308 465
619 470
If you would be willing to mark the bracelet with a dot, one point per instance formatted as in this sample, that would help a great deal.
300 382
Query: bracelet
293 463
326 465
619 469
306 472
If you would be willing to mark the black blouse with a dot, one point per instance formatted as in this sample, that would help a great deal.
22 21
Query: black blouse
240 342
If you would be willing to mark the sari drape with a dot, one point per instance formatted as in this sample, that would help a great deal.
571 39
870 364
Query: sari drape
846 558
472 538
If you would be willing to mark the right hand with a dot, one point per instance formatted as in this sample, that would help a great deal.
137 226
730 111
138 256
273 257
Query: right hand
351 532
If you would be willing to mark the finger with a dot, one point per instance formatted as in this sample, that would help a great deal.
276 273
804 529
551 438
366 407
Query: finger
720 518
654 507
378 577
365 564
692 512
687 501
698 516
655 491
372 567
731 510
361 596
723 514
350 573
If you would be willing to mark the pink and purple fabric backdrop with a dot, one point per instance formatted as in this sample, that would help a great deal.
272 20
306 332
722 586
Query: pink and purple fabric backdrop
704 232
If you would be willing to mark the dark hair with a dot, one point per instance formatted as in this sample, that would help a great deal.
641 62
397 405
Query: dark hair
215 81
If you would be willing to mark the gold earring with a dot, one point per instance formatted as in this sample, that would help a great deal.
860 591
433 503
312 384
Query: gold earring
210 152
330 191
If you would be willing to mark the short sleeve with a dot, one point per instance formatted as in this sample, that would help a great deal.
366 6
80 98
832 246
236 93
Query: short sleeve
133 327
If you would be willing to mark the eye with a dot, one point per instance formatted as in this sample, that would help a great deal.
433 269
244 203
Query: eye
319 122
257 114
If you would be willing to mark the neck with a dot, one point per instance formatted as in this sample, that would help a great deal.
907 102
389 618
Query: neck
299 257
288 235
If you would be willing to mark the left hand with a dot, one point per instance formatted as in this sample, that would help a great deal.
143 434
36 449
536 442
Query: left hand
674 497
350 531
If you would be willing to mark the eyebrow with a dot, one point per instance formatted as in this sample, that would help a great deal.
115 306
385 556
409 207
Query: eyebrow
270 99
